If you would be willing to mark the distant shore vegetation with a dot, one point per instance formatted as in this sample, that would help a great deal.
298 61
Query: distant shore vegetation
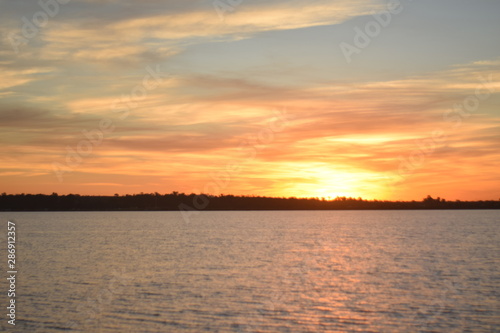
185 202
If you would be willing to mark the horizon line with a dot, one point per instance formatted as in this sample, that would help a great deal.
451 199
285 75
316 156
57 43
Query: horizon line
176 193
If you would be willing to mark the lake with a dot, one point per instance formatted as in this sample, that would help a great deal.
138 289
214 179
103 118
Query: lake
273 271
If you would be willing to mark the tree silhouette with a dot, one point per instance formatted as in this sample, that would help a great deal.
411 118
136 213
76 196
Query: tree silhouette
172 201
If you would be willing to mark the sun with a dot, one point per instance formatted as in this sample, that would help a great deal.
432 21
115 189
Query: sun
330 182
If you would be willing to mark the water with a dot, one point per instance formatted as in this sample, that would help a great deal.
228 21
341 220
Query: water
326 271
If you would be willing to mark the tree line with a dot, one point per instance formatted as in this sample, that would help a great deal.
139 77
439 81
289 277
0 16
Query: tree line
182 201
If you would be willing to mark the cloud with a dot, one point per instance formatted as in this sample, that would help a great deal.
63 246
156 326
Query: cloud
144 35
10 78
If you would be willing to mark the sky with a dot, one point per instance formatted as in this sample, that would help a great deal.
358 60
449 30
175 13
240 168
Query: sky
390 100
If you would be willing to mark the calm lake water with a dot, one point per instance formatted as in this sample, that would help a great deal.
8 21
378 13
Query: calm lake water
305 271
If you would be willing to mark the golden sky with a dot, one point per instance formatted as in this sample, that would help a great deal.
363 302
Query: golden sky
373 99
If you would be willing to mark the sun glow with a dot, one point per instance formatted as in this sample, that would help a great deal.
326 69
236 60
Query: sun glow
330 182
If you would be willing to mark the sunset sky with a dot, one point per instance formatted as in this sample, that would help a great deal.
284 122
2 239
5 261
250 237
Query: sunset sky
360 98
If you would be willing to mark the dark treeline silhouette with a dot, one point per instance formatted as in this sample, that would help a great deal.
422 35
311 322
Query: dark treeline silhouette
181 201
